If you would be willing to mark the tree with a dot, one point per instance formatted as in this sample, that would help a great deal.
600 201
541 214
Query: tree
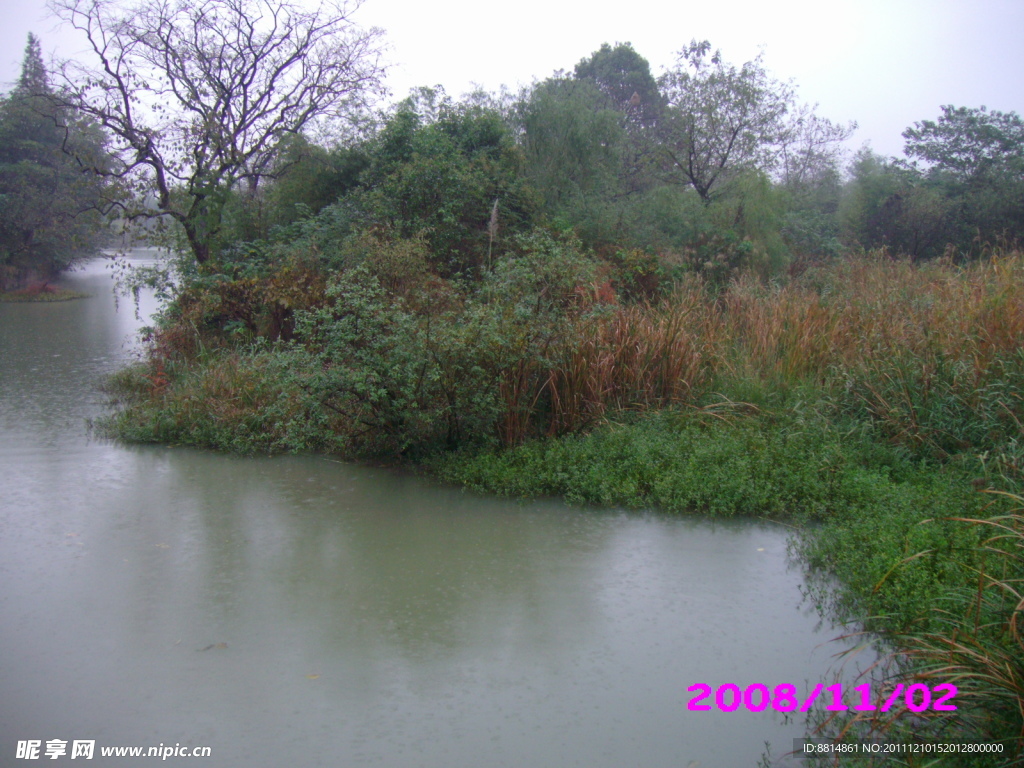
437 168
624 76
974 158
885 204
34 79
720 121
198 96
589 140
810 175
49 208
811 151
573 140
305 179
972 146
625 79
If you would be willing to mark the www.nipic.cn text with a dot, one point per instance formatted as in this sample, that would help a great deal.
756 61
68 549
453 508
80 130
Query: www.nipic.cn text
52 749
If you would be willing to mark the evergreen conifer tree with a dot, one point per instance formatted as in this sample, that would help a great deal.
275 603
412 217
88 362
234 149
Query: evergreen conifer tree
49 207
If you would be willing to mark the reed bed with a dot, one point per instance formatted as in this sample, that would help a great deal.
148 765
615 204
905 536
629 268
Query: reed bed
932 355
635 358
860 311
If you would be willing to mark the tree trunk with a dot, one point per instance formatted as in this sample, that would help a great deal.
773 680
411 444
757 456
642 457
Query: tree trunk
200 248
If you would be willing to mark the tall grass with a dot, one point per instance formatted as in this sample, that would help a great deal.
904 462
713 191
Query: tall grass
932 354
635 357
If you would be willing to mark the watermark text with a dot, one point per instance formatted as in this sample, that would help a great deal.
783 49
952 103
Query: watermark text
81 749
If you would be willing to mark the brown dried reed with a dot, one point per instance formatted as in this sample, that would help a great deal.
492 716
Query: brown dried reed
887 329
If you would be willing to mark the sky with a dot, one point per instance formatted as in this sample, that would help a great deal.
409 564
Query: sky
884 63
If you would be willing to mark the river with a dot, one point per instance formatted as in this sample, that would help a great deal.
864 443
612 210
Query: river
302 611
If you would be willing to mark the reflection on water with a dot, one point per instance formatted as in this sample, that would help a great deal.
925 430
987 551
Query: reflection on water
298 610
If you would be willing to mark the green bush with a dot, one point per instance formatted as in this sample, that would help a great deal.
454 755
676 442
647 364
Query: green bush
239 401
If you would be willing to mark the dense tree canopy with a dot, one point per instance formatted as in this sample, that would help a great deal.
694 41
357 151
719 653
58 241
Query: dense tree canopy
711 166
49 208
973 161
972 146
959 188
573 141
443 170
624 77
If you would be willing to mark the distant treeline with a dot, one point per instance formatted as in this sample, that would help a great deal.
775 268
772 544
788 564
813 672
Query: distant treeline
711 167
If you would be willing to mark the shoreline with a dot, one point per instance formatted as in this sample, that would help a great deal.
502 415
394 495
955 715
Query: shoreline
46 294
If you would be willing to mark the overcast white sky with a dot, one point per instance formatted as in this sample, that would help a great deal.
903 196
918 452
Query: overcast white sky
883 63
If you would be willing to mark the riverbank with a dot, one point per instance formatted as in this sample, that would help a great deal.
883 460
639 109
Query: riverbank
870 403
41 294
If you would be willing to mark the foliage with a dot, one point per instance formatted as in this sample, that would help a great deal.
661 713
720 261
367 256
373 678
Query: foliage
887 206
305 179
574 144
720 119
625 79
925 357
969 637
411 374
371 366
973 146
974 160
437 168
811 183
49 210
959 189
245 402
978 642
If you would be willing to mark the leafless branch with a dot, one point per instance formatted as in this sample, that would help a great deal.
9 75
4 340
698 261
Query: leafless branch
198 95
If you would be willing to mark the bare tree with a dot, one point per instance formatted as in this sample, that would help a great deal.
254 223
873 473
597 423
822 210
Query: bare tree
811 150
720 120
198 94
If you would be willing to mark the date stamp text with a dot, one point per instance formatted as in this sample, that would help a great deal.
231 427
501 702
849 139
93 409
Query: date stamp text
916 697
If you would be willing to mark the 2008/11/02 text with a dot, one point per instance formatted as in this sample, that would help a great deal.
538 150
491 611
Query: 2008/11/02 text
916 697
